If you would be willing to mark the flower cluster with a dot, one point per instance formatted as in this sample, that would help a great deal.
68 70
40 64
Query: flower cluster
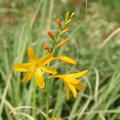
38 66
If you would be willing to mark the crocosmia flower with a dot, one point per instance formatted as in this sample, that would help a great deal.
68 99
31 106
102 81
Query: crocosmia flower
71 83
35 67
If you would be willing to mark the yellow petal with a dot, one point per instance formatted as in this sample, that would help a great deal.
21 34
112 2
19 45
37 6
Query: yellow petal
46 59
57 76
21 67
48 70
73 90
60 119
72 81
80 86
39 79
31 54
27 77
53 118
66 59
67 90
77 75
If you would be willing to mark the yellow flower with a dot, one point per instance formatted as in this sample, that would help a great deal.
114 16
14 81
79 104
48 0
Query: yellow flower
71 83
53 118
35 67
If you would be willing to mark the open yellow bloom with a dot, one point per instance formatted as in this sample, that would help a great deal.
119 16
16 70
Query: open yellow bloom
53 118
35 67
71 83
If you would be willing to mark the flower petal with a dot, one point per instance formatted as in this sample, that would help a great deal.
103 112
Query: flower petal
66 59
21 67
80 86
46 59
39 79
77 75
57 76
67 90
53 118
72 81
73 90
48 70
31 54
27 77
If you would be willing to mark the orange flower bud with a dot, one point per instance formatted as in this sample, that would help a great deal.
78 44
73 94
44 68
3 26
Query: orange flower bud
64 31
46 47
63 42
51 36
58 21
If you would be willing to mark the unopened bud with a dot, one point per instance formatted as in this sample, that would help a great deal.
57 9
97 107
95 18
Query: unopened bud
64 31
68 21
51 35
46 47
63 42
58 21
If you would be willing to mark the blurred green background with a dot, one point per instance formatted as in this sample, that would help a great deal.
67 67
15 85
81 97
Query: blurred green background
95 44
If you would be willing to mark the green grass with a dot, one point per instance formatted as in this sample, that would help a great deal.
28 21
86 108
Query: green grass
88 33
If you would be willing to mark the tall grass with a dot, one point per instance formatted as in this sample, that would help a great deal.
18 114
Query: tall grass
99 101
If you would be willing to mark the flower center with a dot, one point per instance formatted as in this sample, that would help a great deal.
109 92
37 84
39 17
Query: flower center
35 66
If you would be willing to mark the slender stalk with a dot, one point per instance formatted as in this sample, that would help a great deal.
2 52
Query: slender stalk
53 52
48 82
34 100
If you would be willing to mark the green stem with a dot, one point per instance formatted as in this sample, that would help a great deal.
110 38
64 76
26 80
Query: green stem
34 100
58 37
48 82
47 104
54 48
